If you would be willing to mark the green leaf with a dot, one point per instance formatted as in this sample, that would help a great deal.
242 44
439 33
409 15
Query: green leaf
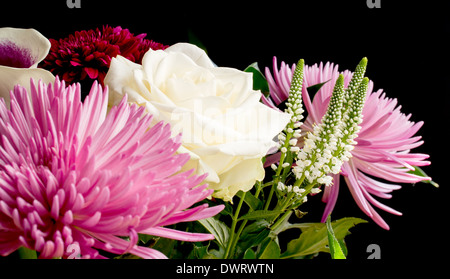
333 243
255 227
144 238
314 237
166 246
259 80
253 235
343 247
285 225
199 252
216 227
250 200
419 172
249 254
313 89
215 254
228 210
260 214
270 249
25 253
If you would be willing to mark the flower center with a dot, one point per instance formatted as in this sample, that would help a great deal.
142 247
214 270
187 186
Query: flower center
12 55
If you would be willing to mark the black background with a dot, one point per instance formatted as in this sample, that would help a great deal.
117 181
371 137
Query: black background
406 46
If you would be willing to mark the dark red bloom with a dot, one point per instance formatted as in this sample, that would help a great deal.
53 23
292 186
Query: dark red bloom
87 54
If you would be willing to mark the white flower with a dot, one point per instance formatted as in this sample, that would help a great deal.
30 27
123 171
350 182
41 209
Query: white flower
316 190
21 50
226 130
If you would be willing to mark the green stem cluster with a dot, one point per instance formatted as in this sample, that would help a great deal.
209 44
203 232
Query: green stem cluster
234 237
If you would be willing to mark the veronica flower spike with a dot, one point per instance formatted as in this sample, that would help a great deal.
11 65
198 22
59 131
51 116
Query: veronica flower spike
76 177
328 147
385 141
288 138
295 110
351 111
319 146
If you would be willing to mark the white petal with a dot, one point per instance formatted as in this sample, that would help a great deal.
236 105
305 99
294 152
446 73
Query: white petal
197 54
120 79
28 39
242 177
9 77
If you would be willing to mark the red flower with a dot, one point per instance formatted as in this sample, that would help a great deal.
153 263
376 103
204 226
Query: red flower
87 54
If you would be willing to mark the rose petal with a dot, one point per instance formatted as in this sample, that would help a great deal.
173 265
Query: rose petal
225 129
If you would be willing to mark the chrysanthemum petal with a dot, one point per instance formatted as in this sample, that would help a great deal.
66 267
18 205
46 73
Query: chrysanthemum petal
179 235
74 174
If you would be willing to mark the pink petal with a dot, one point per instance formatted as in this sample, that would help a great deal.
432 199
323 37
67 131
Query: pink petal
178 235
330 197
92 72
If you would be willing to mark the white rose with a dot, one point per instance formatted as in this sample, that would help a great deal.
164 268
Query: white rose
225 129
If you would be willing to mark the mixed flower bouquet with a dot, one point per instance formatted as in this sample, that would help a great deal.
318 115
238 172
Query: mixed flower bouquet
116 146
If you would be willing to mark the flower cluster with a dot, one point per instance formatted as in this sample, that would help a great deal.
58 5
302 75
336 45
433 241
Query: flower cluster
165 136
88 54
330 144
384 143
299 192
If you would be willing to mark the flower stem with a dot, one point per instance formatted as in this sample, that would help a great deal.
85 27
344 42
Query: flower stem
232 241
280 221
25 253
275 183
259 187
272 189
288 206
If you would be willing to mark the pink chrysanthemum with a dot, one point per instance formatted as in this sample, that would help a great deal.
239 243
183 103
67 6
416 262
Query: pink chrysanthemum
74 176
384 142
87 54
